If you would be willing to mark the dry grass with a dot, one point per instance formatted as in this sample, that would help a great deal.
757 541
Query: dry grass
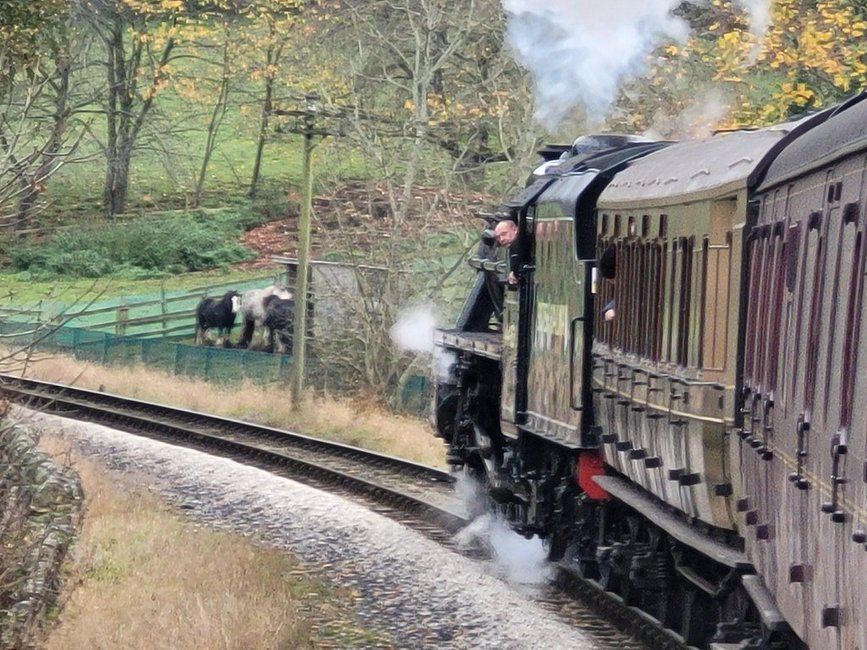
352 422
141 577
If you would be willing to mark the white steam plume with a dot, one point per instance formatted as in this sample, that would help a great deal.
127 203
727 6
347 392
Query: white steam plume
760 15
414 328
578 50
516 558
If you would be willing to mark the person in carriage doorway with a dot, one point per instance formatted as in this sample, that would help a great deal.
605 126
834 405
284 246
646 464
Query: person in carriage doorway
608 270
506 234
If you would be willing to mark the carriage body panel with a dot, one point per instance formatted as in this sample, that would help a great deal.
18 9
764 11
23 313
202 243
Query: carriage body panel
805 383
665 370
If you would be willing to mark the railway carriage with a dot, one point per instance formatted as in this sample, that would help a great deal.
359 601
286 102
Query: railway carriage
802 450
703 454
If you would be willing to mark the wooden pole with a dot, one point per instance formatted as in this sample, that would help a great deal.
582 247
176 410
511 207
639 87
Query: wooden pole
299 338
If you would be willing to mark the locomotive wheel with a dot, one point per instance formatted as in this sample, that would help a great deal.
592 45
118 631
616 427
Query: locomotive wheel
614 561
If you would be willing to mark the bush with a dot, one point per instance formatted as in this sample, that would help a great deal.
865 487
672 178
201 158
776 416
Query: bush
144 247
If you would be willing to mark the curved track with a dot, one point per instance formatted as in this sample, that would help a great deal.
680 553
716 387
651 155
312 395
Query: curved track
421 497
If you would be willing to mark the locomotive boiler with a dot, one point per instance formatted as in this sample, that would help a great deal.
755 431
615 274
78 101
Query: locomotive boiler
702 454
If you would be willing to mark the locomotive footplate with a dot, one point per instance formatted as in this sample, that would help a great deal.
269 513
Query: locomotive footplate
484 344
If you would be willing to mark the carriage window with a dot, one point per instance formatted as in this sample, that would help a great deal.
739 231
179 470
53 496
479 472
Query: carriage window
655 292
814 324
705 260
604 224
793 245
645 226
761 314
663 226
773 334
617 225
685 300
753 296
672 273
850 342
646 299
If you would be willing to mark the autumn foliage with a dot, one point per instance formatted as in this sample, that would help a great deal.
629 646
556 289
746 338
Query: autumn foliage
813 54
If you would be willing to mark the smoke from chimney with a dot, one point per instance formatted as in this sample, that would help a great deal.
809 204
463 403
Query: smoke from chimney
578 51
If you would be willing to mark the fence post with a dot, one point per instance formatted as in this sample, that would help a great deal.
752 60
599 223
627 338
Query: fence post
163 306
122 317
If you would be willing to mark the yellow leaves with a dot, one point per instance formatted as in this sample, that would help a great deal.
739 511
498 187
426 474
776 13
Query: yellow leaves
796 93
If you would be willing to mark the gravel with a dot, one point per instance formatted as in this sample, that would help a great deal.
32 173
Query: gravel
411 589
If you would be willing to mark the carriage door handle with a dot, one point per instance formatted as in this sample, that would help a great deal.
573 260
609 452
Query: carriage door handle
763 450
797 477
838 450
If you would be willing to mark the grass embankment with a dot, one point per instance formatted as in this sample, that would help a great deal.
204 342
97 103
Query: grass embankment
142 577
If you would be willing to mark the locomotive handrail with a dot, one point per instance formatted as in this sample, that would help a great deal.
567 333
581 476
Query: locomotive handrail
484 264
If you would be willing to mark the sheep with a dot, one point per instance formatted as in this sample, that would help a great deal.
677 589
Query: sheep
280 323
253 310
219 314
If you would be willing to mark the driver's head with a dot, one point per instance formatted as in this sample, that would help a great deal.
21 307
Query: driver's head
506 232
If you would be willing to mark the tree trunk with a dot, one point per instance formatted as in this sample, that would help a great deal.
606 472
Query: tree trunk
123 122
217 116
271 58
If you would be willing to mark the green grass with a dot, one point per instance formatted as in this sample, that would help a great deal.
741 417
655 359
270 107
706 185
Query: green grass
18 290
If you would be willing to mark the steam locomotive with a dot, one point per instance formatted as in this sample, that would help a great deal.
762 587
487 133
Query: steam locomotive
703 455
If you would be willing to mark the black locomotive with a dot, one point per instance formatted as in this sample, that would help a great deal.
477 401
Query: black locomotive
703 454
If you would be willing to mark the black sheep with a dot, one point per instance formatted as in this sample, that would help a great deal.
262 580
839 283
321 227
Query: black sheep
219 314
279 321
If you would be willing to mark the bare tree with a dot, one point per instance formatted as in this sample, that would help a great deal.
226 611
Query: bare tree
423 109
36 61
138 47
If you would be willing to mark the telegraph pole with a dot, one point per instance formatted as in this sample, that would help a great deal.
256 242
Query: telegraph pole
299 339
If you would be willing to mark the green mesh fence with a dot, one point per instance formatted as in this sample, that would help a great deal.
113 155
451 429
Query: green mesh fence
158 329
222 365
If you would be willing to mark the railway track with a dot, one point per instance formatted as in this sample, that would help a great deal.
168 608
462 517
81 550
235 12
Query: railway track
421 497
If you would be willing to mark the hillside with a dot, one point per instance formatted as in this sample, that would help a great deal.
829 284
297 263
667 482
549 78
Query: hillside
360 213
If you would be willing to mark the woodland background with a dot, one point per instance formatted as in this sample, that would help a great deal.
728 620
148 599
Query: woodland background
145 141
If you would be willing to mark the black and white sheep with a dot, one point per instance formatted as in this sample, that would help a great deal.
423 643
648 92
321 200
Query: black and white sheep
218 314
279 323
253 310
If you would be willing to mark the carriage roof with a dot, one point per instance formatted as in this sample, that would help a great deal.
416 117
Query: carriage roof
693 170
843 132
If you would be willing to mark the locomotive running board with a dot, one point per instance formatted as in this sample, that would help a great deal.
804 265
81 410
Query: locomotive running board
483 344
672 524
